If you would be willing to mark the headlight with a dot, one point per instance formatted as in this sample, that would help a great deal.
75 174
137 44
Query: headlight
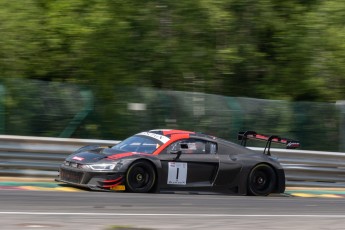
102 166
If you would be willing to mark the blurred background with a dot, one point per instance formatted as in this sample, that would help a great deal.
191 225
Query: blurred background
108 69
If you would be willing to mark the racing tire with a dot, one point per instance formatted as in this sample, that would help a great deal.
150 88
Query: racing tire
140 177
261 180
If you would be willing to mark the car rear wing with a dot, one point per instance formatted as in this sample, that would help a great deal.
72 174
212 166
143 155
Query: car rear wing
244 136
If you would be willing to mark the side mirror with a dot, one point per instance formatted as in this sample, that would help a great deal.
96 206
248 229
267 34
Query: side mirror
177 152
183 146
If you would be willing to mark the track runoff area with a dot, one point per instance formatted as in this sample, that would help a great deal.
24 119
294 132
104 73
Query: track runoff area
39 184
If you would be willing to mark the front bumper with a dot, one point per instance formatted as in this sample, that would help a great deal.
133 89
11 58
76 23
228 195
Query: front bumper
91 179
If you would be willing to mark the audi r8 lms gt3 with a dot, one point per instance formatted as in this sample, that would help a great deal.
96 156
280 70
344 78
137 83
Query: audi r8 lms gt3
177 160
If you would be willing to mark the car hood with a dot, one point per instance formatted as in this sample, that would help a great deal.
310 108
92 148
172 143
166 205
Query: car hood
100 155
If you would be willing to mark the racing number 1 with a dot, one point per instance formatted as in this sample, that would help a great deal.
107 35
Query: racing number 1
177 173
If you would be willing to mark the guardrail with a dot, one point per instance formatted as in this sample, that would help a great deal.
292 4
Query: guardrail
38 156
311 168
41 157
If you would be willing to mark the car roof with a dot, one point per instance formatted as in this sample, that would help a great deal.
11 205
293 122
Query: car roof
167 132
171 132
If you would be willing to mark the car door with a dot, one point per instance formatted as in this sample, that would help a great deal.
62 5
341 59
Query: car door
197 165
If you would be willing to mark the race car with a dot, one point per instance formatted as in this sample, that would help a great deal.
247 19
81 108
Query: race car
177 160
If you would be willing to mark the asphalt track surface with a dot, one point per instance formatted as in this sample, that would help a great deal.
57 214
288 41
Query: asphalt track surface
77 209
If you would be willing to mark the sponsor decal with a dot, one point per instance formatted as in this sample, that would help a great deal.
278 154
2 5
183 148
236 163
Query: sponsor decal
292 145
159 137
78 158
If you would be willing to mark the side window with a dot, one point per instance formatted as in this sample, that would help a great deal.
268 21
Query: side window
195 146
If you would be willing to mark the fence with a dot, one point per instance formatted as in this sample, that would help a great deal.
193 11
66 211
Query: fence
41 157
52 109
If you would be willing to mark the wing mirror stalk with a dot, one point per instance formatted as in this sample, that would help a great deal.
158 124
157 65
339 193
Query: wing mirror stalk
178 153
183 146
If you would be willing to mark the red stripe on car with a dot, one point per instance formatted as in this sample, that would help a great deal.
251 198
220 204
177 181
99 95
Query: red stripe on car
173 138
111 181
175 131
112 185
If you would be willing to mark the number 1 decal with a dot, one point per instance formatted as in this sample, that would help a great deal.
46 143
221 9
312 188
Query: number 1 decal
177 173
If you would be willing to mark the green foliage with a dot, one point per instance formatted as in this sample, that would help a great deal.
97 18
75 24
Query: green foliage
289 50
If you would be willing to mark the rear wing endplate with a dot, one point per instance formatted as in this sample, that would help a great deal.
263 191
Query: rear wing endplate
244 136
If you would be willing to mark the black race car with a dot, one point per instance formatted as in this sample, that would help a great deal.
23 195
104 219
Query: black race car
177 160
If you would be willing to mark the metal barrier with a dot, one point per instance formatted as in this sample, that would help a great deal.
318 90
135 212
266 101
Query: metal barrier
41 157
311 168
38 156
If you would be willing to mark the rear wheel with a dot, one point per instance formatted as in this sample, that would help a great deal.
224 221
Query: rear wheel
262 180
140 177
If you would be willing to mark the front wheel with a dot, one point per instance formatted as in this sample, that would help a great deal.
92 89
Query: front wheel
140 177
262 180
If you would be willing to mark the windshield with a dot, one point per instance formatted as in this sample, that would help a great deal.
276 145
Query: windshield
138 144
